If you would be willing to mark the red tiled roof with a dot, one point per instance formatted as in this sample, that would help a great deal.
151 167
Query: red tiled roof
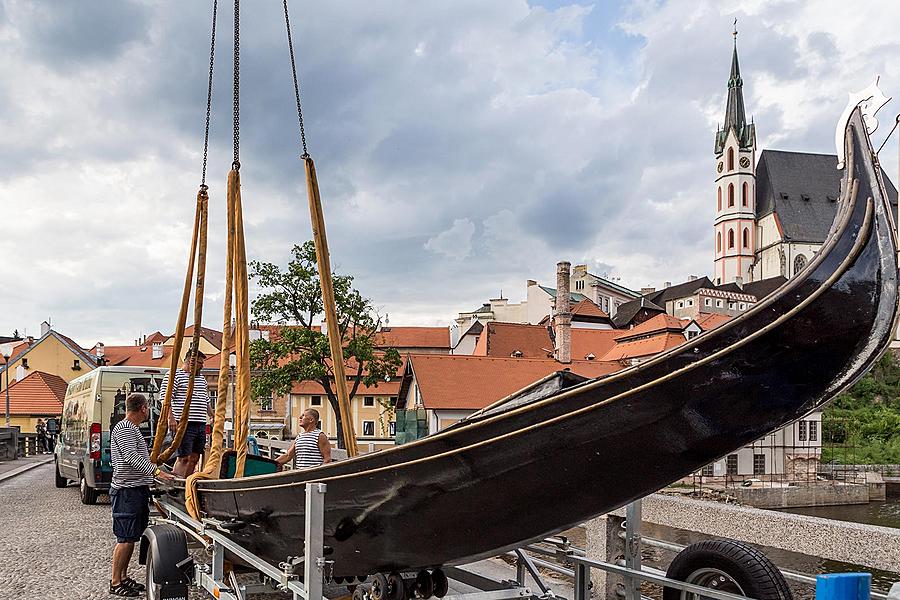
644 347
501 340
136 356
587 308
385 388
592 341
473 382
708 321
38 394
413 337
156 337
212 336
659 323
16 350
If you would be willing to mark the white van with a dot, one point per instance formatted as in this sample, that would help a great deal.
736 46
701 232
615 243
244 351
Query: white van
94 403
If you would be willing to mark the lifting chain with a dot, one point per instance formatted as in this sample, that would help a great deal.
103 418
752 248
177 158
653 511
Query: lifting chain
236 163
287 24
212 58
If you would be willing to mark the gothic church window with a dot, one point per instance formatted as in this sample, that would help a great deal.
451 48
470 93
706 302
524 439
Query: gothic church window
730 195
731 238
745 194
719 241
745 241
799 263
719 198
731 159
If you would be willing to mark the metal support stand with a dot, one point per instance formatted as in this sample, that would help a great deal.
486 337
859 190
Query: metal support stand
633 549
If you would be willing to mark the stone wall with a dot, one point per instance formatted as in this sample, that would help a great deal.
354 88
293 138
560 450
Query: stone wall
802 495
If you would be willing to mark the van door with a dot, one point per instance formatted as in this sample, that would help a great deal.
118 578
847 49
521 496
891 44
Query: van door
76 411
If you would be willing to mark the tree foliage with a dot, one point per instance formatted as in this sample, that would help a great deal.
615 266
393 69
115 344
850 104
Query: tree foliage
862 425
298 351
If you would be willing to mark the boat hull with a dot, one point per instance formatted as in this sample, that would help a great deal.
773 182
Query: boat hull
523 474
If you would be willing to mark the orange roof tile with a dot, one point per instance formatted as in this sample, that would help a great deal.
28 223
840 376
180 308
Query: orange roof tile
473 382
413 337
592 341
156 338
659 323
384 388
38 394
587 308
644 347
136 356
503 339
708 321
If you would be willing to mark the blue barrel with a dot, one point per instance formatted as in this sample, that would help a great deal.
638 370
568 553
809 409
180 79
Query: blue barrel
843 586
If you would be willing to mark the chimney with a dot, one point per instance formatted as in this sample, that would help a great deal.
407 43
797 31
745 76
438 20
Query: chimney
739 281
157 351
647 290
45 328
692 278
563 317
668 284
100 349
530 283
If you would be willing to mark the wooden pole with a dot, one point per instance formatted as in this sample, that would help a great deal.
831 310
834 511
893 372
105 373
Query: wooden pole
334 337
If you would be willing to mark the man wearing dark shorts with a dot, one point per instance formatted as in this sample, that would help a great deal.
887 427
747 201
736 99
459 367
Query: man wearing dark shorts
194 440
130 491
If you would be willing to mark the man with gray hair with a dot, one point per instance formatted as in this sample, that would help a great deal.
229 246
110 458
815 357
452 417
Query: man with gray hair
311 448
129 492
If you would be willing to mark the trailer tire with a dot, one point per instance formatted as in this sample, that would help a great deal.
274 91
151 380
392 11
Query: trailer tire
162 548
730 566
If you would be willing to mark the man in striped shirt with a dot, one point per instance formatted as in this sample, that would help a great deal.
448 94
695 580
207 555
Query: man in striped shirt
129 492
311 448
194 440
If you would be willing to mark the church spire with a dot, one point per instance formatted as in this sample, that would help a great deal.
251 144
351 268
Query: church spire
735 117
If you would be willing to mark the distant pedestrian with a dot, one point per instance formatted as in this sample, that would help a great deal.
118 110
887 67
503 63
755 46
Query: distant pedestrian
129 492
311 448
52 432
41 431
194 440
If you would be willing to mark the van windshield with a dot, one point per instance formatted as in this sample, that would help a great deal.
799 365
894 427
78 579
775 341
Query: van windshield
115 388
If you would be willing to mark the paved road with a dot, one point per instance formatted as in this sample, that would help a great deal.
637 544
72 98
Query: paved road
54 547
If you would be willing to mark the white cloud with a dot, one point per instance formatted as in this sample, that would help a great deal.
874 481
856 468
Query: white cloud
455 242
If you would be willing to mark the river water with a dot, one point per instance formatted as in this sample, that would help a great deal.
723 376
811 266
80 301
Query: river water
885 514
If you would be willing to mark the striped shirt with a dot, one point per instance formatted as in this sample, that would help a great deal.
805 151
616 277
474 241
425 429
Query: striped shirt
130 459
306 448
199 402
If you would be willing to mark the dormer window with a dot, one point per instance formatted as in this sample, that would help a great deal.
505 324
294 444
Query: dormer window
24 363
76 365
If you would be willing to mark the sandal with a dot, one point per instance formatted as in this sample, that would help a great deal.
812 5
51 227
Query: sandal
123 590
133 584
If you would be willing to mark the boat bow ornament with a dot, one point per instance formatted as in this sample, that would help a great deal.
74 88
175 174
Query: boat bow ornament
870 100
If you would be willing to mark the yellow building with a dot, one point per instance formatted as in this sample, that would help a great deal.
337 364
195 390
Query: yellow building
52 353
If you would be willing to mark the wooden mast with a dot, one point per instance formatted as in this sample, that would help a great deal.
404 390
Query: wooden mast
335 342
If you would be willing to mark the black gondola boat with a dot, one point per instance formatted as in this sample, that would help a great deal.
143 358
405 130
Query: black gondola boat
524 470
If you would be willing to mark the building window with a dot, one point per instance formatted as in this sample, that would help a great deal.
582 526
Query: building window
759 464
730 238
692 334
681 304
719 242
731 464
708 302
745 194
392 428
730 195
369 401
368 428
731 159
742 306
801 431
690 302
707 471
315 400
783 263
718 304
745 238
718 198
265 403
213 394
799 263
814 431
579 285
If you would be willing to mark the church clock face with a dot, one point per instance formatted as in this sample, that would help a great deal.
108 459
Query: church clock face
720 166
745 162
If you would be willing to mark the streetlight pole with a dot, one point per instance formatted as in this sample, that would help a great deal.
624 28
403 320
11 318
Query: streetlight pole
6 369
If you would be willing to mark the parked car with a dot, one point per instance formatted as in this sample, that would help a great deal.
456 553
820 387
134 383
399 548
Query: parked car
94 404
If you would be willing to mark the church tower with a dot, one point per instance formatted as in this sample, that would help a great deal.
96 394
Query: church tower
735 151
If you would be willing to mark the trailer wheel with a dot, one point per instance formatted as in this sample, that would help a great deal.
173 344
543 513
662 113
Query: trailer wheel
154 589
727 566
423 586
441 585
379 589
87 493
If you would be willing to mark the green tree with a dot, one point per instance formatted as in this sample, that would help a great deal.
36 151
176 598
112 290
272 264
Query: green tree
298 351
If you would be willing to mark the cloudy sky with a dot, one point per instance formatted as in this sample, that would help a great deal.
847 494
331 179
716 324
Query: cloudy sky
462 146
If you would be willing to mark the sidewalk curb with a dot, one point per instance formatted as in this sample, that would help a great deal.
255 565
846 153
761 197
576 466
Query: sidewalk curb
23 469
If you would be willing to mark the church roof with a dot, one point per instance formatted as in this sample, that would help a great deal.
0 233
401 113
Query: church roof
735 117
802 189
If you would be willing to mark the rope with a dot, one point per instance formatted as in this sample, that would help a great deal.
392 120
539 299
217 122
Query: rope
212 58
236 109
287 25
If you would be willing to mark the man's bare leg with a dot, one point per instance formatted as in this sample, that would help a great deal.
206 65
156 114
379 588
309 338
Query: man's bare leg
121 557
182 464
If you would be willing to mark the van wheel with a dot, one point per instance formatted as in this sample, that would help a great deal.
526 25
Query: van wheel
727 566
88 494
59 480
